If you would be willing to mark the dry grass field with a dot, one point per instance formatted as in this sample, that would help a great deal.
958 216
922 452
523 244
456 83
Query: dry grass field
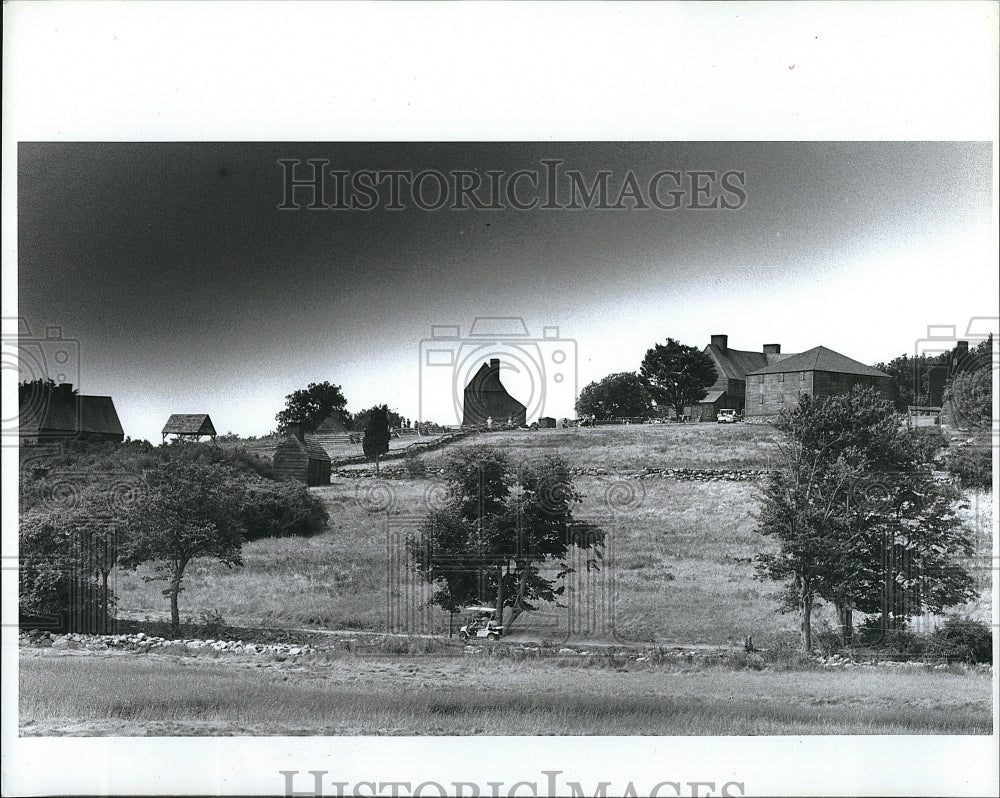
678 570
170 695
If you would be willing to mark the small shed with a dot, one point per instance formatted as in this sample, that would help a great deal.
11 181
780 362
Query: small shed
547 422
189 426
302 459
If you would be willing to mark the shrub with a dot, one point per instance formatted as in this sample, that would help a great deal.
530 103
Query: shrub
415 467
965 639
282 509
972 464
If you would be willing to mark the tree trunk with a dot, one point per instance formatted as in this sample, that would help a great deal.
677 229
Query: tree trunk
806 604
845 615
175 589
500 596
175 614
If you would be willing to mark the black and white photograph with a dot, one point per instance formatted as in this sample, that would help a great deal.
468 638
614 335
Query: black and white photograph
491 454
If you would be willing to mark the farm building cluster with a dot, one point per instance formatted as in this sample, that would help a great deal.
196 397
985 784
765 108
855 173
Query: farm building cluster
755 384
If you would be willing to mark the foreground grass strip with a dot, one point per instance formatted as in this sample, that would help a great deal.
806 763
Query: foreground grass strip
417 696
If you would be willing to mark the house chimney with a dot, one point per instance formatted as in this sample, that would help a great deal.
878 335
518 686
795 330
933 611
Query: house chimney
720 341
495 365
772 349
296 431
64 390
961 350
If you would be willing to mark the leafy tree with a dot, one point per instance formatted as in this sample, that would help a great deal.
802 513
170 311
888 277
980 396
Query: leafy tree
858 516
359 421
617 395
500 526
376 440
182 509
677 375
309 407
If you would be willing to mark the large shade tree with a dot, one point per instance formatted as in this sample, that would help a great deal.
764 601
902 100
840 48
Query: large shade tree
500 528
677 375
622 395
310 406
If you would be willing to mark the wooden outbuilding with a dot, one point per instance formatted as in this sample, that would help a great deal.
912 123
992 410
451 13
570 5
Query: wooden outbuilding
487 402
60 414
302 459
189 426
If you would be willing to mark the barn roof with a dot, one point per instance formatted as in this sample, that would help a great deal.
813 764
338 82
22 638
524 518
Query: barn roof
737 363
72 413
712 397
189 424
331 425
819 358
309 447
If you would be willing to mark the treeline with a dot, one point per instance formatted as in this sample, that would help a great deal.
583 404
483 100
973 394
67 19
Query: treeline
92 507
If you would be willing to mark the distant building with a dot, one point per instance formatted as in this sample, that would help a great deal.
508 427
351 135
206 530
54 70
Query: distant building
189 426
818 371
732 367
301 459
486 399
332 435
547 422
59 414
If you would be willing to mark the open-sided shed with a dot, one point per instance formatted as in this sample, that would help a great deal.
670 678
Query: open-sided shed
189 425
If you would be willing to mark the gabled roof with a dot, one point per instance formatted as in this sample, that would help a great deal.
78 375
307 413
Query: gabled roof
711 397
72 414
819 358
331 425
189 424
311 448
737 363
486 379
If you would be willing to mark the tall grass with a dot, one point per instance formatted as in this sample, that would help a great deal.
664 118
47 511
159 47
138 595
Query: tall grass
156 695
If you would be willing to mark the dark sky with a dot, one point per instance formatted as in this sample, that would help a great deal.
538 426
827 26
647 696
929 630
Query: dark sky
190 291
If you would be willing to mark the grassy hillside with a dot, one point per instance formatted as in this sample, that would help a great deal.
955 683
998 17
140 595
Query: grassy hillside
677 563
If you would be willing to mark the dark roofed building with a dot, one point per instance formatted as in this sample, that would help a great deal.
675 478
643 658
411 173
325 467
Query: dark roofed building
732 367
487 400
302 459
818 371
60 414
189 425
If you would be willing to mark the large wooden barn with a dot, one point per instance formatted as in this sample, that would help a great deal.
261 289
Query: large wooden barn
486 400
302 459
732 367
818 371
60 414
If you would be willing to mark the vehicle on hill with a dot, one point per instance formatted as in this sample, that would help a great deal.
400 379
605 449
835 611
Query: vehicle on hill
482 625
727 416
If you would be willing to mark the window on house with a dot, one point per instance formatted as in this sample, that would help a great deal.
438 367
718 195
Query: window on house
781 398
762 398
781 377
802 376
